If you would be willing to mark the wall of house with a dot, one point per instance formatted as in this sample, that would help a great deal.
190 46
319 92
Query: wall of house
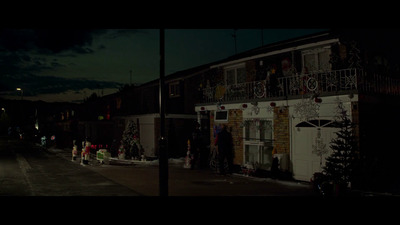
292 143
250 71
305 158
281 130
379 154
235 119
178 129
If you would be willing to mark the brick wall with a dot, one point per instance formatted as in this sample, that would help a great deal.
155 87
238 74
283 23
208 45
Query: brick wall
281 130
235 119
234 124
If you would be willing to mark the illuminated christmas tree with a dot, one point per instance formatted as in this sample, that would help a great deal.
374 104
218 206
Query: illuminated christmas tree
131 141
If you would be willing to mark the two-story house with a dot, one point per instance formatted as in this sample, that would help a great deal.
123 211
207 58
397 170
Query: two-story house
281 100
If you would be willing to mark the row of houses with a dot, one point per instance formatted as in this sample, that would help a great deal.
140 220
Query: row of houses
278 100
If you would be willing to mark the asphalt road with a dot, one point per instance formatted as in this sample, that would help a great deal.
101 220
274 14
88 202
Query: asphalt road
26 170
104 191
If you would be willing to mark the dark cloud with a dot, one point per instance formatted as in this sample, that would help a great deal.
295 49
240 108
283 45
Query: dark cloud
18 62
116 33
23 54
101 47
16 39
82 50
59 40
34 85
47 41
24 50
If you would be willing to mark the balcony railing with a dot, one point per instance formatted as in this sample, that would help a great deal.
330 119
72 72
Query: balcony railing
323 83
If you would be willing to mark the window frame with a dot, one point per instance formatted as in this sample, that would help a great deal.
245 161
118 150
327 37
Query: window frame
264 146
174 89
235 76
316 52
221 120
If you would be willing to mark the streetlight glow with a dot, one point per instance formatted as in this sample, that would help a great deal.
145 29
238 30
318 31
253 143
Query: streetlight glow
22 92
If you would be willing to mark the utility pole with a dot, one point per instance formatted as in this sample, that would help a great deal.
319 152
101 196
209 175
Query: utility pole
234 39
130 77
163 151
262 37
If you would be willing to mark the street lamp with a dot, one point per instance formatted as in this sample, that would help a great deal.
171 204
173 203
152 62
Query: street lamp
22 92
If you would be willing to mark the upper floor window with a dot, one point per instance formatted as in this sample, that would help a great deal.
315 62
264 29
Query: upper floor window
316 60
235 74
174 89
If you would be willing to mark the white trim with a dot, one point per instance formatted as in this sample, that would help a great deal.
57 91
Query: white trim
310 45
239 65
157 115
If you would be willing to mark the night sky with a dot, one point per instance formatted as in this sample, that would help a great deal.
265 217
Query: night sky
71 64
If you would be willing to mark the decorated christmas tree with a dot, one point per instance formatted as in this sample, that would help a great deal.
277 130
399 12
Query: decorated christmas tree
131 142
339 165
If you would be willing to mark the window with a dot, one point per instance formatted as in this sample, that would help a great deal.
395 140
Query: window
258 130
174 90
317 59
221 116
258 143
235 74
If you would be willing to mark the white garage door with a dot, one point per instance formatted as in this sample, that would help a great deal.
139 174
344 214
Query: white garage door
305 158
147 138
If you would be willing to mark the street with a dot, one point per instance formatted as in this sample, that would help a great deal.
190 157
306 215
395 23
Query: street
27 170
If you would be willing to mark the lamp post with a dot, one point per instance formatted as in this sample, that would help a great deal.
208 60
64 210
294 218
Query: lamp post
22 92
163 154
22 121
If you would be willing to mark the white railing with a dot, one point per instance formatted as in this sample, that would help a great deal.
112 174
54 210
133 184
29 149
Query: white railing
327 82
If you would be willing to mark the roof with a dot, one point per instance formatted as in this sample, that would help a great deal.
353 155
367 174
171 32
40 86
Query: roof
279 47
290 43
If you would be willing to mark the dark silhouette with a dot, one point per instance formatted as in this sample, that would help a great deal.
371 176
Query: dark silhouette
275 168
198 148
225 150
